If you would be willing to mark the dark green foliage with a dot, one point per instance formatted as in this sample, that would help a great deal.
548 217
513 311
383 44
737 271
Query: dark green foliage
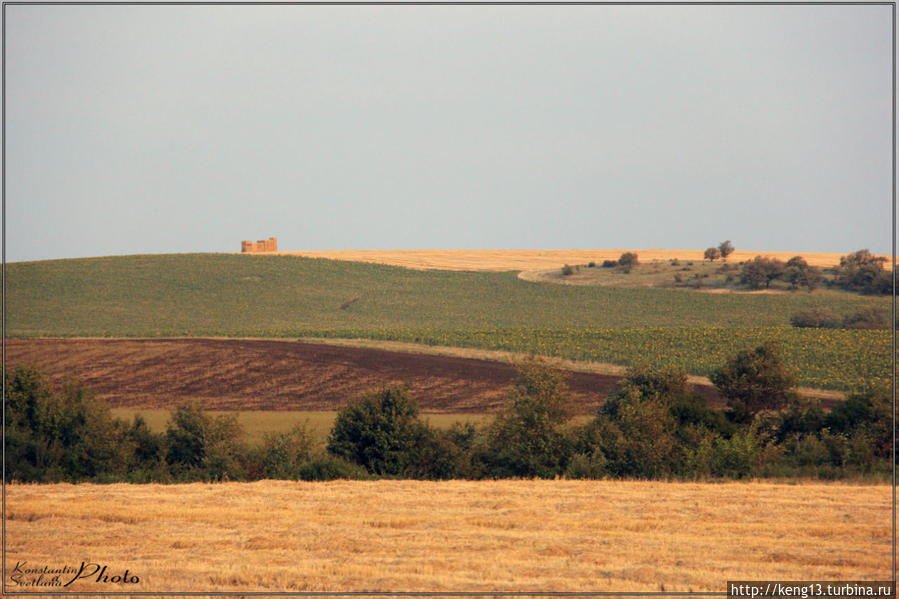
148 450
609 263
329 467
59 434
864 272
693 411
636 430
755 380
798 273
650 427
712 254
567 270
868 414
640 441
725 248
591 465
591 264
528 437
380 432
820 318
283 456
867 319
759 272
204 448
628 261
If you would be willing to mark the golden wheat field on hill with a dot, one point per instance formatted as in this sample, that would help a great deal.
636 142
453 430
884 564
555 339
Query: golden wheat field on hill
472 536
529 260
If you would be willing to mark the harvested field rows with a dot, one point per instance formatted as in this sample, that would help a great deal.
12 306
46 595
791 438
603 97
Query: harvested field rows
453 536
232 374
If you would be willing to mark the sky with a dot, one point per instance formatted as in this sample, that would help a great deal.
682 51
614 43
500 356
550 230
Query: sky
169 129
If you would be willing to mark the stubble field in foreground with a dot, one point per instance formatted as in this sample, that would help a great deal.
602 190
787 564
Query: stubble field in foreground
452 536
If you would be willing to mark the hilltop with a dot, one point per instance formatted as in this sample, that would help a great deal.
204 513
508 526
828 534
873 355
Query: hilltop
227 295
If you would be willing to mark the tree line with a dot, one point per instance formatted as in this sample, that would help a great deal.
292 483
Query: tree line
651 427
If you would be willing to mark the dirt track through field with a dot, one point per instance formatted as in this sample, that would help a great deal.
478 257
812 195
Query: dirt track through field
232 374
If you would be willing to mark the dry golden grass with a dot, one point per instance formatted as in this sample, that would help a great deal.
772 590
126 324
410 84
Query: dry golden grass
454 536
528 260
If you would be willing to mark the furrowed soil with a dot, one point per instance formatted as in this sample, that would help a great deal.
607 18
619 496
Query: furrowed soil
267 374
453 536
245 374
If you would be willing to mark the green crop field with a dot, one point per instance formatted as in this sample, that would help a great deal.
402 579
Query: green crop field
289 296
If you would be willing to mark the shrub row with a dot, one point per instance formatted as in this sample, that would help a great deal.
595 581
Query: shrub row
651 427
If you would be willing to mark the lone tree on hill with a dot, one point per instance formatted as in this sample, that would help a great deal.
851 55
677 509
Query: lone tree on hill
755 380
726 248
712 254
627 261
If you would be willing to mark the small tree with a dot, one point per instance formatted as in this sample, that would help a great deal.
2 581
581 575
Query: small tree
202 447
864 272
755 380
712 254
867 318
527 437
380 432
797 272
726 248
759 272
820 318
627 261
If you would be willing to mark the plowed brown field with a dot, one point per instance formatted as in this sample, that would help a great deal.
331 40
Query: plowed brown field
243 374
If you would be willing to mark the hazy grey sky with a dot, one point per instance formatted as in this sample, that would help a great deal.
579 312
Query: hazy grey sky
156 129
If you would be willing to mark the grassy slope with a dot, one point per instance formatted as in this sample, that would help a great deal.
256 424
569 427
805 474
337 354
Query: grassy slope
235 295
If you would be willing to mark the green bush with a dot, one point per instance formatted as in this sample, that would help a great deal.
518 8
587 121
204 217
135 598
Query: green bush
59 434
864 272
760 272
329 467
819 318
528 437
867 319
282 456
587 466
380 432
797 273
868 414
755 380
203 448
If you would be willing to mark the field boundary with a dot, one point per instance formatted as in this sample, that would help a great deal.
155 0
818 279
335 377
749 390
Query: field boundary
533 260
500 356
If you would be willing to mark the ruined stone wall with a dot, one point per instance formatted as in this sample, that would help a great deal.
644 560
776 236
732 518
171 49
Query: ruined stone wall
263 245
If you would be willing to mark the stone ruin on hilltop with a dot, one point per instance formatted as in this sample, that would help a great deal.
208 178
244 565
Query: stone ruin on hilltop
263 245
